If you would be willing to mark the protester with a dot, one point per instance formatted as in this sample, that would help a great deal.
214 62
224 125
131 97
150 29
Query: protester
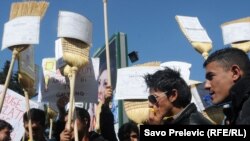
170 100
128 132
5 130
82 119
38 124
228 81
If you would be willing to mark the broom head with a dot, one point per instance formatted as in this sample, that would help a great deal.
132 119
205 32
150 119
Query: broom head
75 52
28 8
137 110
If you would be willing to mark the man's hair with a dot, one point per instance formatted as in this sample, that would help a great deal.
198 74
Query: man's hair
227 57
126 129
168 79
83 115
36 115
4 124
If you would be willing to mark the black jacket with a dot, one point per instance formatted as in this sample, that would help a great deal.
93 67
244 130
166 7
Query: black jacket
190 116
240 106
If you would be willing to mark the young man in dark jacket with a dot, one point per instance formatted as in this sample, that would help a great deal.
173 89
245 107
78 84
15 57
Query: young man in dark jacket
228 80
170 99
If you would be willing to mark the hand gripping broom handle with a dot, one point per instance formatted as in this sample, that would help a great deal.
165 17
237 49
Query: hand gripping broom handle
72 78
106 40
7 81
28 114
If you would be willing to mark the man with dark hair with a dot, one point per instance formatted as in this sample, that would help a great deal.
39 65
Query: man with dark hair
128 132
5 130
37 122
170 100
227 79
82 118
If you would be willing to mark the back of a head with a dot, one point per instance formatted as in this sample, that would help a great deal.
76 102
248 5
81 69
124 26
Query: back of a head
227 57
167 80
126 129
36 115
4 124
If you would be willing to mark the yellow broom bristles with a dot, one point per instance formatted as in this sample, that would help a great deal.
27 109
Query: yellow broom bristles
29 8
75 52
137 110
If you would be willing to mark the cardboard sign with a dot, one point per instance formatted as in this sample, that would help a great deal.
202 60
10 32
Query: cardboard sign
192 29
73 25
14 107
21 30
26 62
86 85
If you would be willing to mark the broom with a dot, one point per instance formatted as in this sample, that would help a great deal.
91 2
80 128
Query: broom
191 26
97 126
30 8
243 45
76 55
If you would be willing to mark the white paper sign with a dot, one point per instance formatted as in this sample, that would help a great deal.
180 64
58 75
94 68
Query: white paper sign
236 32
59 54
131 83
193 29
21 30
86 85
14 107
182 67
73 25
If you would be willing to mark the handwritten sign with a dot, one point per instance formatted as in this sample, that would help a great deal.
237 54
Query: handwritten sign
73 25
236 32
131 84
14 107
21 30
85 86
192 29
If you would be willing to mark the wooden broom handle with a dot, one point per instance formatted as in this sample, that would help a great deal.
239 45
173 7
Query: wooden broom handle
28 114
107 40
7 81
72 78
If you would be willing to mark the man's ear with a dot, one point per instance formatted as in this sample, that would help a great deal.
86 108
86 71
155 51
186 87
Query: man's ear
173 96
237 72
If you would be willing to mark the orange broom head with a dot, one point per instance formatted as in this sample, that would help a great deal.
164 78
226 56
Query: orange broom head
75 52
28 8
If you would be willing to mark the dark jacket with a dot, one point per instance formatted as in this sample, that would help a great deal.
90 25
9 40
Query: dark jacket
239 111
107 123
190 116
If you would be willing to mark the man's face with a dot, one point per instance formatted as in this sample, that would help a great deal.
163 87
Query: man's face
80 125
218 82
162 106
5 134
37 130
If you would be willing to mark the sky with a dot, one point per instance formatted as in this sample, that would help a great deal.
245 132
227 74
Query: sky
150 27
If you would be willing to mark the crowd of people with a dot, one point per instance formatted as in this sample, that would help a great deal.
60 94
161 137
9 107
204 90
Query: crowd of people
227 80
